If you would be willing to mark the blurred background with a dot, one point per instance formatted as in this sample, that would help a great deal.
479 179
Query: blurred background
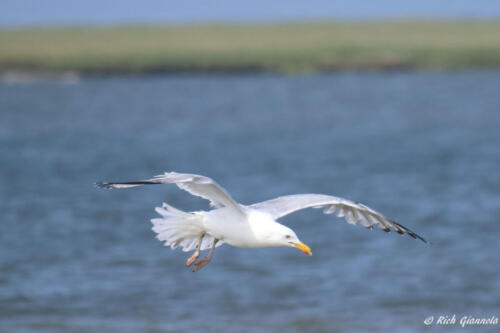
393 104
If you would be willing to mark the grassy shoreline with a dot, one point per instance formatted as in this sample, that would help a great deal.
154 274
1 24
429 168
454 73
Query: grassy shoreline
284 48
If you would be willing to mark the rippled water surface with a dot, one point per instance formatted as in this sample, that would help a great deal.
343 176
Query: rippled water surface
423 148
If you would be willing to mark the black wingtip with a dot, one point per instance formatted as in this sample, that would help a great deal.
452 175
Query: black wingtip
102 185
409 232
126 184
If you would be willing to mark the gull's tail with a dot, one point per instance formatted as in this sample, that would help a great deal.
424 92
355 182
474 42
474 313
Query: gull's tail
178 228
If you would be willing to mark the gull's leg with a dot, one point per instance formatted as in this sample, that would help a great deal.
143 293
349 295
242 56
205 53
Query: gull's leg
200 264
196 253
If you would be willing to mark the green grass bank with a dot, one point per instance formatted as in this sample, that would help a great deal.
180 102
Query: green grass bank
290 47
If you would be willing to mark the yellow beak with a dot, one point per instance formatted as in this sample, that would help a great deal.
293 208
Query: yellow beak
304 248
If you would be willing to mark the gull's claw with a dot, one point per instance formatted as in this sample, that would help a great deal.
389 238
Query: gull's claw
200 264
196 253
193 258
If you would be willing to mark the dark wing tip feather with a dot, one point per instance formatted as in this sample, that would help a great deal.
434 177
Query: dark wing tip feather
127 184
402 230
103 185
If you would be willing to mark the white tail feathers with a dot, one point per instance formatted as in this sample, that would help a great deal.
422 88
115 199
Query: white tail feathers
178 228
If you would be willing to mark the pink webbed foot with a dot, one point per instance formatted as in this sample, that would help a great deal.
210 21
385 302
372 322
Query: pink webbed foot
201 263
193 258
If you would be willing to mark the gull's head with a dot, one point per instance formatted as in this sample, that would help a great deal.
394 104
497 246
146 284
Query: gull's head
281 235
271 233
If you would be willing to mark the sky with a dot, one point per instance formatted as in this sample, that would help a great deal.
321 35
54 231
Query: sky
54 12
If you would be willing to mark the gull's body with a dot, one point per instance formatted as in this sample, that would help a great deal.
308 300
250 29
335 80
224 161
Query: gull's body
239 230
239 225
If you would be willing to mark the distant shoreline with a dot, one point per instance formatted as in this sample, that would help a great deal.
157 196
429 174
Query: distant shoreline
236 70
238 49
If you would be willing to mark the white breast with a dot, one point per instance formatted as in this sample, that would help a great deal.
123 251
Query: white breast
247 231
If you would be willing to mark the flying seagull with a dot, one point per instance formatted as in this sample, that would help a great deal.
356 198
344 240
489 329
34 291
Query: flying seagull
252 226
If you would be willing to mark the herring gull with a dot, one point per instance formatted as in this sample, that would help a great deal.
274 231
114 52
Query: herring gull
239 225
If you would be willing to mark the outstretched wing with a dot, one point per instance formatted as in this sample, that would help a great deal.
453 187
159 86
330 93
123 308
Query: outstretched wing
197 185
352 211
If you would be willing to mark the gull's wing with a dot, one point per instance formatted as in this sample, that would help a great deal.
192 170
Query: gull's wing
352 211
197 185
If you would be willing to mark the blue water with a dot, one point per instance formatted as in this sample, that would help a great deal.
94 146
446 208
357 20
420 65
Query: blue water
422 148
63 12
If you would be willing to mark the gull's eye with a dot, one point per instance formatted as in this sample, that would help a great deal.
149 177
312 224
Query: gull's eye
288 236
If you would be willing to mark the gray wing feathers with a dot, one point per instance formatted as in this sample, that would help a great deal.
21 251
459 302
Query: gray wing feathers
350 210
196 185
200 186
